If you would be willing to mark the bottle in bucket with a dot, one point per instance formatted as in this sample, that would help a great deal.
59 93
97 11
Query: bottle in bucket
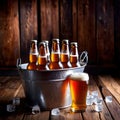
33 55
74 55
78 89
47 51
55 55
64 56
42 57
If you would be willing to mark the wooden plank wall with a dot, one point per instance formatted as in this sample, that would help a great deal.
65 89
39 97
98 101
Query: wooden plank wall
94 24
9 33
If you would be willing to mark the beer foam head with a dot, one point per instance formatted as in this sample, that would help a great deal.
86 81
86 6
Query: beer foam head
80 76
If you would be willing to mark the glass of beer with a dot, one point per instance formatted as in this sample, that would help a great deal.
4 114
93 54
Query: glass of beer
78 89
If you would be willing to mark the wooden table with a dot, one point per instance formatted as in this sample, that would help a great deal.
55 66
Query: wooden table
106 85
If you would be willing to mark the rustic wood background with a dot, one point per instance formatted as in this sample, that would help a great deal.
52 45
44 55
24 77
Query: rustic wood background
94 24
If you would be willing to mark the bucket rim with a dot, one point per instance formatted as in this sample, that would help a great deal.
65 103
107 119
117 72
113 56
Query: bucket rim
22 67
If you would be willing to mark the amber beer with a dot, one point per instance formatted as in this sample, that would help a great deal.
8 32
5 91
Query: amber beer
55 62
74 55
33 55
78 89
42 57
64 56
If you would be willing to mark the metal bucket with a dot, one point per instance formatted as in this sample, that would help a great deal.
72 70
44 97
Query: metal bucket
47 88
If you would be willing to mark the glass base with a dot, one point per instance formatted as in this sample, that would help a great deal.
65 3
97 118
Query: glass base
78 109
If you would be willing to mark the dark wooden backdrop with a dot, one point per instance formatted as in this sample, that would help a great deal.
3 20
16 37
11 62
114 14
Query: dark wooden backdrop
94 24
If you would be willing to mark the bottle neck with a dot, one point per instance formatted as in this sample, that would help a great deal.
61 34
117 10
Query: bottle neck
74 53
64 57
33 58
42 60
55 53
55 48
47 50
48 53
55 57
73 58
33 52
42 57
65 49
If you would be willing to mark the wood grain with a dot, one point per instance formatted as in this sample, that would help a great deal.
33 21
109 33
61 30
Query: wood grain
66 19
9 33
8 91
75 20
110 83
49 19
106 85
28 26
90 111
86 28
73 116
8 88
113 107
105 32
109 87
94 24
66 114
39 116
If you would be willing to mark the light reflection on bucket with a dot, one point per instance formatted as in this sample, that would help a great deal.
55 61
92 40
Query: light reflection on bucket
47 88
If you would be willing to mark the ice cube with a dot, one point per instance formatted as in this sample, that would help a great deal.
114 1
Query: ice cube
35 109
98 101
89 100
95 96
95 99
98 107
98 104
16 101
10 108
108 99
55 111
94 93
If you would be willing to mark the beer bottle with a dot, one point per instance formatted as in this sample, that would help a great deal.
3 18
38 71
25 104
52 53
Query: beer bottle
47 51
64 56
74 55
42 57
55 55
33 55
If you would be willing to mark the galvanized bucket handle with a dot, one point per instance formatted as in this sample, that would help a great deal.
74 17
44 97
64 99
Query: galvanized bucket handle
84 58
18 62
